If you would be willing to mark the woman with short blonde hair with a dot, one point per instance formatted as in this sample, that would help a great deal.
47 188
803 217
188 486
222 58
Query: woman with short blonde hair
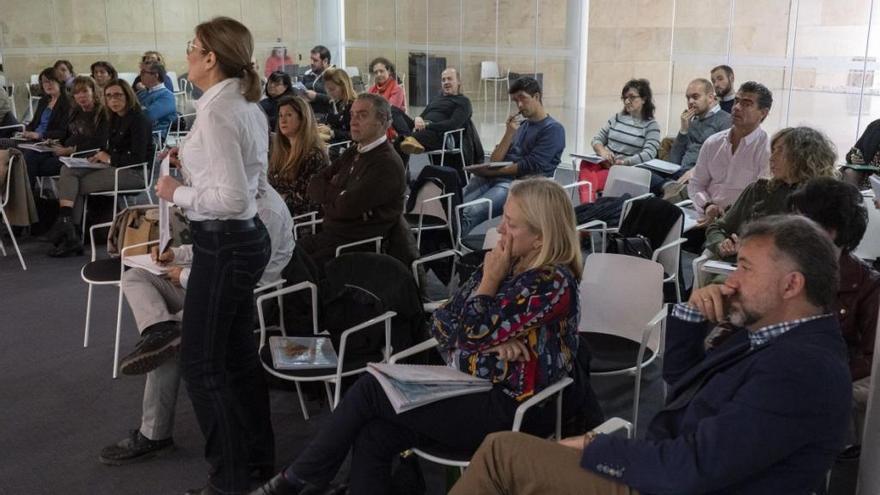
298 153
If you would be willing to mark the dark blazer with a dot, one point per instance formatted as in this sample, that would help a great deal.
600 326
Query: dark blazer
131 139
59 120
759 421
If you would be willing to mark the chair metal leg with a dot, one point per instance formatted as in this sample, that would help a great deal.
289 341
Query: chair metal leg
85 209
302 403
2 247
14 242
636 394
118 332
329 395
88 317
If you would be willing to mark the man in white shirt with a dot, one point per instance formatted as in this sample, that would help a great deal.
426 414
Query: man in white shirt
157 304
732 159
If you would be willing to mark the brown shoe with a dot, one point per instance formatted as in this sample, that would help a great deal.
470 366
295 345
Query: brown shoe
410 146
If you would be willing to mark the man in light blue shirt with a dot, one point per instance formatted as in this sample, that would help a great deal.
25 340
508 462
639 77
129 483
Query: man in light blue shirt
157 101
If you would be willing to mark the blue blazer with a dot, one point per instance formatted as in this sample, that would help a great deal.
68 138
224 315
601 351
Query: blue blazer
768 420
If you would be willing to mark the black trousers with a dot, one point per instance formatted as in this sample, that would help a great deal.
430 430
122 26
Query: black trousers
41 164
218 356
366 423
431 140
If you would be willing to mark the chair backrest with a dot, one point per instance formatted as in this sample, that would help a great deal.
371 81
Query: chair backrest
634 181
35 79
429 189
869 248
491 239
129 77
669 258
489 69
619 295
353 71
174 84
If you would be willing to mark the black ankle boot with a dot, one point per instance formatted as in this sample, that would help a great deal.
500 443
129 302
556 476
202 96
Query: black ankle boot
278 485
67 243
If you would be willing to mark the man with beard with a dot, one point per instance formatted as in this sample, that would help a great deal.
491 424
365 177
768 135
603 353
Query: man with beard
722 79
450 111
760 407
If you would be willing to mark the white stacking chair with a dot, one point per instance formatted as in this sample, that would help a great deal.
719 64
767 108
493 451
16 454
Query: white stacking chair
4 200
469 243
10 91
461 460
343 369
116 192
491 73
106 272
452 144
622 312
430 211
869 248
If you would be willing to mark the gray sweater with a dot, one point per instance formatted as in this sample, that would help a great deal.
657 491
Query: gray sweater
686 147
634 140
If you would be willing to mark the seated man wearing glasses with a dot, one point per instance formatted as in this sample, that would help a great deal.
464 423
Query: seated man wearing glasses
761 407
156 99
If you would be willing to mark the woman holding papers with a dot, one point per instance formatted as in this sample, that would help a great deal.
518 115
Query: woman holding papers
53 109
129 143
222 159
86 130
797 154
514 323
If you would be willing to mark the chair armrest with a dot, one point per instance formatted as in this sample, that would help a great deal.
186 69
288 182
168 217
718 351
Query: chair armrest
312 288
681 204
624 210
386 317
312 215
575 185
677 242
13 126
92 235
590 227
128 249
377 240
413 350
429 258
126 167
536 399
613 425
698 269
270 285
339 144
462 206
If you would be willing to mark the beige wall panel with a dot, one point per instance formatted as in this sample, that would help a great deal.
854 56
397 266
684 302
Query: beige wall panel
646 13
356 19
445 22
176 21
555 75
27 23
516 24
552 19
478 25
644 44
603 45
229 8
263 18
774 78
80 22
470 75
607 78
130 22
835 41
700 40
683 74
308 28
412 21
610 13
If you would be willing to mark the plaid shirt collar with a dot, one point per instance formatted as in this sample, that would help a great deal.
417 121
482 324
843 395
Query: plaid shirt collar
765 335
760 337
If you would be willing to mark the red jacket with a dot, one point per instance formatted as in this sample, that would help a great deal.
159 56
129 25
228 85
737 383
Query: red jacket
856 309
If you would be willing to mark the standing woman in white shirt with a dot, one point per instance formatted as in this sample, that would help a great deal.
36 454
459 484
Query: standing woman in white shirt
222 158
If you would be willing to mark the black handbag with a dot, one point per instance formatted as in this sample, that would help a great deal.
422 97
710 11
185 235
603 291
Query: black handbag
637 245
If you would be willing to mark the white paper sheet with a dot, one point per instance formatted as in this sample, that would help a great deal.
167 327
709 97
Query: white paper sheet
164 210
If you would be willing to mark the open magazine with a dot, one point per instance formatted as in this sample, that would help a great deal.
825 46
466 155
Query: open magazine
302 353
660 166
409 386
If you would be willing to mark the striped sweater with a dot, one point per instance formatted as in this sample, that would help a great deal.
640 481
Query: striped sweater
634 140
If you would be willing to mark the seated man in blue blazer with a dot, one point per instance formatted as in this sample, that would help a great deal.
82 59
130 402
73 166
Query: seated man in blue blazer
760 408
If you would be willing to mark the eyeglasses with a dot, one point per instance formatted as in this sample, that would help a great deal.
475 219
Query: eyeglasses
629 98
114 96
190 46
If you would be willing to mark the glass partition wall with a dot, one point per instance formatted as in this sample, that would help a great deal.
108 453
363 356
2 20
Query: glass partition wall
819 57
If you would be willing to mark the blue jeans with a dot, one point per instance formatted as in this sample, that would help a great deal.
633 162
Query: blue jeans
218 358
493 188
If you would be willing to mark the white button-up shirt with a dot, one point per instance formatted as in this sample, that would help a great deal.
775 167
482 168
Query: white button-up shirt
720 175
223 155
